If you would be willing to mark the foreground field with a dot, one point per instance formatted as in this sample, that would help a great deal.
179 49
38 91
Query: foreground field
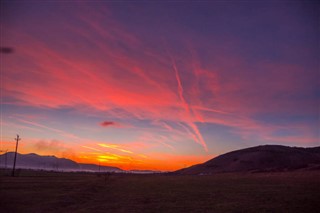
57 192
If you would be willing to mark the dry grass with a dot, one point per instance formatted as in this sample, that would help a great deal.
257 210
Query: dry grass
54 192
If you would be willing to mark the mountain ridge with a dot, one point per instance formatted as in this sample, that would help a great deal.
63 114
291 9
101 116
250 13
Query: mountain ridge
51 162
262 158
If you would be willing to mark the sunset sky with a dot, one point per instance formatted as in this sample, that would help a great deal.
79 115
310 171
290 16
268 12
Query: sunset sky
158 85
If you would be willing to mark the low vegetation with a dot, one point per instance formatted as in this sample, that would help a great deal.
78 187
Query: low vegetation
76 192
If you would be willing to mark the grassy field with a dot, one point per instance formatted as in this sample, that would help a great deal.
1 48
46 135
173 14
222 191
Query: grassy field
68 192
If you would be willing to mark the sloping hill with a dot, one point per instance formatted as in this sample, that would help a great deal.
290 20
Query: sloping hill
34 161
260 158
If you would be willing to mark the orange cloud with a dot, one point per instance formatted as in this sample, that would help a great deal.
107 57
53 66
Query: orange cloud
115 147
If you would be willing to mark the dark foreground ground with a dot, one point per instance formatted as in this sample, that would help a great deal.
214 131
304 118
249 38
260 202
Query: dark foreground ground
67 192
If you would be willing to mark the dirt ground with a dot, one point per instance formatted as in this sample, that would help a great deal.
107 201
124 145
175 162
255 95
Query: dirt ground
74 192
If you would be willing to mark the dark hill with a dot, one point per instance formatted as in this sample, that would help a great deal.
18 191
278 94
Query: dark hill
34 161
259 159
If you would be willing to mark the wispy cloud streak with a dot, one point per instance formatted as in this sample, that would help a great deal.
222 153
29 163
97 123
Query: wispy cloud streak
198 136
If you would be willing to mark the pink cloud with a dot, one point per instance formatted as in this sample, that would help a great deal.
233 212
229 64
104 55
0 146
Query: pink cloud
182 89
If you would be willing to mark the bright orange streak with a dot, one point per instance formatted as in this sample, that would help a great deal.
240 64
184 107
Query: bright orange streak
108 157
143 156
112 146
92 148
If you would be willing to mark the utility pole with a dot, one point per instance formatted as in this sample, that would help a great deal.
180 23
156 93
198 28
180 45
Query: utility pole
15 155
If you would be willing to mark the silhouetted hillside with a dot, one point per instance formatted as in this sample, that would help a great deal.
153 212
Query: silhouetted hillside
34 161
259 159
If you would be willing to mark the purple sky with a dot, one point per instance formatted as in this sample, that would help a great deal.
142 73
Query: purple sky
158 85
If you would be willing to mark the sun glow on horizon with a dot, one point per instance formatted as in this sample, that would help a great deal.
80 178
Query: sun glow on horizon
157 86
